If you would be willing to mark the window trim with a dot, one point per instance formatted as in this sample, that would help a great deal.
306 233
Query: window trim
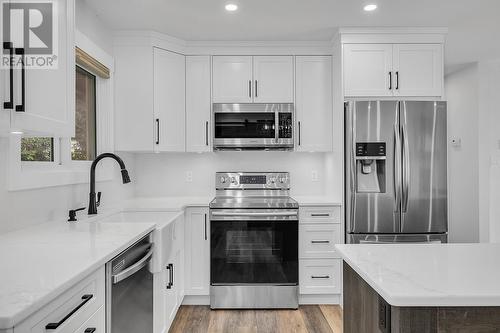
65 171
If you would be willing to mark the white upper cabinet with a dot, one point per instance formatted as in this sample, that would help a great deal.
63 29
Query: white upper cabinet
43 97
273 79
247 79
134 120
367 69
314 103
418 69
169 100
198 105
232 79
387 70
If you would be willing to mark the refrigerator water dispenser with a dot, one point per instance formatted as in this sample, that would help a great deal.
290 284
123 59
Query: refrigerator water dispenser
370 167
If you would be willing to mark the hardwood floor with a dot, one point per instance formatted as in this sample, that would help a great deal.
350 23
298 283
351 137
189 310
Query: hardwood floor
307 319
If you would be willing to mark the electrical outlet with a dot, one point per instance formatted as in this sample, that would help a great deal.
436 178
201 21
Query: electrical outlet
314 176
189 176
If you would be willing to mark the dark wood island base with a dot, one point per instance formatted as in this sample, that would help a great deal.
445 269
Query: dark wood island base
366 312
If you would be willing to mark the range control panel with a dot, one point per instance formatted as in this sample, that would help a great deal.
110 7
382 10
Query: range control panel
252 180
370 149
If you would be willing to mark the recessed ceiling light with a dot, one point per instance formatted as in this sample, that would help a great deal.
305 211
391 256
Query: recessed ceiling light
231 7
370 7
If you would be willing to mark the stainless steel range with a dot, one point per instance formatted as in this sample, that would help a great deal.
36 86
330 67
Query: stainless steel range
254 231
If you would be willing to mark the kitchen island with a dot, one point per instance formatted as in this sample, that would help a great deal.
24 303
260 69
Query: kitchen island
421 287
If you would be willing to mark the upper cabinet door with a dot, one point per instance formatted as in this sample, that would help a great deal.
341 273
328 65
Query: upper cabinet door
273 79
169 100
198 103
45 103
314 103
232 79
418 69
368 70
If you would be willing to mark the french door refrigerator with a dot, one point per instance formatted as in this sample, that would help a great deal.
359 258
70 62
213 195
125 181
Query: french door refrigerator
396 172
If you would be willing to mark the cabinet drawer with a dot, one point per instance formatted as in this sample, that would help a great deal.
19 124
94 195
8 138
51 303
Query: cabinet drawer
318 240
319 215
77 304
95 324
320 276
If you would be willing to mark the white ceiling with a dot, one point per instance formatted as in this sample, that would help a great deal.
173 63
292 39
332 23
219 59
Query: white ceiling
474 24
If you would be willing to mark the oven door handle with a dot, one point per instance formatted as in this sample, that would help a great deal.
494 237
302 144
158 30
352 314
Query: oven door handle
287 213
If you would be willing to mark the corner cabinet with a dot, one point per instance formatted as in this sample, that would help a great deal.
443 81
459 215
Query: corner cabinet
149 99
388 70
198 106
41 100
314 103
253 79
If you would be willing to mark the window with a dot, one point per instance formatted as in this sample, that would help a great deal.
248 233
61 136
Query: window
37 149
83 145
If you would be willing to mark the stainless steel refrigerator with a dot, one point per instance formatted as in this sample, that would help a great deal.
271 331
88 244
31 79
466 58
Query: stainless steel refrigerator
396 172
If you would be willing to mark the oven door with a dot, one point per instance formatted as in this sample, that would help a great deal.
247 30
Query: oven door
253 247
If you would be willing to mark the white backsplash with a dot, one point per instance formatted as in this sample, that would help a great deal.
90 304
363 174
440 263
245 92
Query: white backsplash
191 174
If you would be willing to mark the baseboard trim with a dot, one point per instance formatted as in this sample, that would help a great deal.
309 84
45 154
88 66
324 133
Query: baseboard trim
196 300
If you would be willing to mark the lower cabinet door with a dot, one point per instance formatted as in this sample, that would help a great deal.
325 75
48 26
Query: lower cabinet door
95 324
320 276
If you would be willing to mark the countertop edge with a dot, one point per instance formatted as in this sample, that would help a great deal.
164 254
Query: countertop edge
11 322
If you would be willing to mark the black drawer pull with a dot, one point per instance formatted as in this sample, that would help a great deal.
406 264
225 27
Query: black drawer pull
320 277
89 330
320 241
53 326
320 215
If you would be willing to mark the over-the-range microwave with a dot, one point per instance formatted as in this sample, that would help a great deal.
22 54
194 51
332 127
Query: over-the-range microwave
253 126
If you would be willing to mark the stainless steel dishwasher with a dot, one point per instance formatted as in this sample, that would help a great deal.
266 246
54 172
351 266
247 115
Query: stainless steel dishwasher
129 290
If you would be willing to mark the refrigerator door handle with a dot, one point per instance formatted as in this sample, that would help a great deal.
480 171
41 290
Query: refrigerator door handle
406 162
397 168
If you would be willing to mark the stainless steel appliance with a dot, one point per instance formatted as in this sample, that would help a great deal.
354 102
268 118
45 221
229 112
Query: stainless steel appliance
253 126
129 290
396 171
254 231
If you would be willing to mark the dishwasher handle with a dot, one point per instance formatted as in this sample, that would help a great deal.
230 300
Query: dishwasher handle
134 268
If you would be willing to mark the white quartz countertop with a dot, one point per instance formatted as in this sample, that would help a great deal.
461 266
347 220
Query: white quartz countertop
39 263
429 274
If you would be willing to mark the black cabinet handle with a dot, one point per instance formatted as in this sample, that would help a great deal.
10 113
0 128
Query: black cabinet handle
22 107
320 215
320 277
170 283
10 104
90 330
206 133
256 90
320 241
250 88
172 272
390 80
397 80
205 226
157 131
53 326
299 133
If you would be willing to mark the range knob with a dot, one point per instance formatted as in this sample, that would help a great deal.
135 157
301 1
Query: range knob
282 180
223 179
272 180
233 180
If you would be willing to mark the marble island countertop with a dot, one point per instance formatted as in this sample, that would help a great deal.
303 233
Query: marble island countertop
39 263
435 275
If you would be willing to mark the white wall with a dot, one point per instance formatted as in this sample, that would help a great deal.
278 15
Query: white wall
463 105
165 174
24 208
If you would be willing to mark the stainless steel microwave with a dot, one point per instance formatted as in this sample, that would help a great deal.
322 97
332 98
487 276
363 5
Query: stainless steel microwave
253 126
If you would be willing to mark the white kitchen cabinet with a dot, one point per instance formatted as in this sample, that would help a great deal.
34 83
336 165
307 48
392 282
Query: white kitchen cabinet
418 69
232 79
169 100
48 106
95 324
318 241
314 103
320 276
389 70
197 244
367 70
198 106
273 79
133 112
258 79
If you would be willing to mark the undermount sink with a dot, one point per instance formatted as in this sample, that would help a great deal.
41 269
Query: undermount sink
163 235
